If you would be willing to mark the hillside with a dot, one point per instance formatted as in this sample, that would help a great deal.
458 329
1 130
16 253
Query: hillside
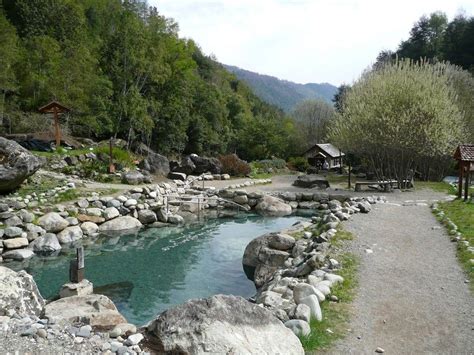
124 71
282 93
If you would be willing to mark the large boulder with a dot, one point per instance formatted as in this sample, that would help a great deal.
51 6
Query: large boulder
311 180
196 165
46 244
204 165
120 224
220 325
16 164
264 255
52 222
273 206
19 293
153 162
96 310
133 177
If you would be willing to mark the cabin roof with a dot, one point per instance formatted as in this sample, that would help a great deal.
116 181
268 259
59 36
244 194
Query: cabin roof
465 152
328 149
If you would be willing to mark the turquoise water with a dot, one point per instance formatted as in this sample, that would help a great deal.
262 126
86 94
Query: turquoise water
147 273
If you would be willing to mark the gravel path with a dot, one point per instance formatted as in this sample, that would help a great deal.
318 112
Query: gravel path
412 298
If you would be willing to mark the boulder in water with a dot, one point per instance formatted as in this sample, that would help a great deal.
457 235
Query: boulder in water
273 206
120 224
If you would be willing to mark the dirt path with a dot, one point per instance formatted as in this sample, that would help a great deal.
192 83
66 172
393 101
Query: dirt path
412 298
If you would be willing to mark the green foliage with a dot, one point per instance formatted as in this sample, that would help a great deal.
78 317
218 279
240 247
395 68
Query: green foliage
268 165
298 163
400 115
124 71
120 155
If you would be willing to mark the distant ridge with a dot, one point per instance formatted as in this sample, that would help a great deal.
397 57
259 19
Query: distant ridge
282 93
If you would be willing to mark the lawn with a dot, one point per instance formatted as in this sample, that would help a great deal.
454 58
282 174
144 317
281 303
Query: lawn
335 314
462 215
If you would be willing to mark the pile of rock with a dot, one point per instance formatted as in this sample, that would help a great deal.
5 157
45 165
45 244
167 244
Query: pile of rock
85 323
195 165
293 275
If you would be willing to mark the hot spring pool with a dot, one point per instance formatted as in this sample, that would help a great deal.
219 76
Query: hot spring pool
147 273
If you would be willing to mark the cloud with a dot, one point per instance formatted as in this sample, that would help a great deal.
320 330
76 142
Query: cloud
301 40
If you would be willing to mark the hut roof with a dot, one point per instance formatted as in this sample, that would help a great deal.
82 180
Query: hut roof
48 108
465 152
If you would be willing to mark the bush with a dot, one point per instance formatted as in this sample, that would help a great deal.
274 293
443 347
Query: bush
269 165
298 163
233 165
121 156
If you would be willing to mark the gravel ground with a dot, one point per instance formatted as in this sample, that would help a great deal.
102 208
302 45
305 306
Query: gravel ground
412 296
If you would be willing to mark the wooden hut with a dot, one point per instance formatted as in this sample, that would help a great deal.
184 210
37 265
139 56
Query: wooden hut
464 154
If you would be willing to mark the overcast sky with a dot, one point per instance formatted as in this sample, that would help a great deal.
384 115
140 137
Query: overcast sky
302 40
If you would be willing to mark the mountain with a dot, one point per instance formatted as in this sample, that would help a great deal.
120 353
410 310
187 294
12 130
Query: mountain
283 93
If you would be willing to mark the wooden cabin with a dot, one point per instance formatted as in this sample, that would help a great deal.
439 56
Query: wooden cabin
322 153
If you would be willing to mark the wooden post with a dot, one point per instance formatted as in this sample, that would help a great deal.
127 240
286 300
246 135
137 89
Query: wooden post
76 267
461 170
57 132
466 186
349 179
111 155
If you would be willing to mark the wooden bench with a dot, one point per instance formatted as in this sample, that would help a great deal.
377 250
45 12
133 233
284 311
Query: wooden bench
386 185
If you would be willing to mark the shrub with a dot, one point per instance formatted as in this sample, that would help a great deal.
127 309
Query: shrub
269 165
121 156
298 163
233 165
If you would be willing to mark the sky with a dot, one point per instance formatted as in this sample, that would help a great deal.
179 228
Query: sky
302 40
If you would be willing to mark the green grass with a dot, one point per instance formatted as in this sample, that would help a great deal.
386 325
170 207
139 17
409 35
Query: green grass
438 186
335 314
462 215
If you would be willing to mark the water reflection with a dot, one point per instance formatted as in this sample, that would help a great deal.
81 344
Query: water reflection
148 272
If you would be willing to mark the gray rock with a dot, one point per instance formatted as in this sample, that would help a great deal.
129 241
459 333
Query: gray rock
89 228
83 203
18 254
364 207
96 310
70 234
52 222
272 206
26 216
15 243
120 223
13 221
13 232
147 216
45 244
220 325
133 178
177 176
310 181
110 213
17 165
281 242
313 304
133 339
298 327
18 291
301 311
73 221
153 162
175 219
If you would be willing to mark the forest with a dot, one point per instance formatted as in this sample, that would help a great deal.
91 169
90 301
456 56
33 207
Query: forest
124 71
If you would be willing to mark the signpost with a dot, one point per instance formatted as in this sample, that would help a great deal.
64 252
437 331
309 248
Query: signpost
56 109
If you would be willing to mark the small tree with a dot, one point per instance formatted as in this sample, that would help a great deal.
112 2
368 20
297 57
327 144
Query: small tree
312 118
398 116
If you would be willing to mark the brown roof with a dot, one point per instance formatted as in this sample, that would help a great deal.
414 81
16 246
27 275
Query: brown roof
465 152
48 108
